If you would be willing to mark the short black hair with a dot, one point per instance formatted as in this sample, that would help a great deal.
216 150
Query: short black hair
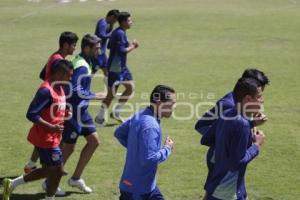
161 93
113 12
67 37
257 75
89 40
123 16
244 87
62 66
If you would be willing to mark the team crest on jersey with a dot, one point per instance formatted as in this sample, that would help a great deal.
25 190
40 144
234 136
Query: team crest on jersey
73 135
55 156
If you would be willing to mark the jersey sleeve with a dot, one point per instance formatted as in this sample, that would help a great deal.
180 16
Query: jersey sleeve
41 101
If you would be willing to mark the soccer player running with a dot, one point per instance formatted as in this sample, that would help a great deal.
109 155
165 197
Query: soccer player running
118 72
234 144
141 136
81 122
67 44
103 30
47 111
225 103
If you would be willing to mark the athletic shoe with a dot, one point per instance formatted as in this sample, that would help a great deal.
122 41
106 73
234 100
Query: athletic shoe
100 121
59 191
6 188
116 117
80 184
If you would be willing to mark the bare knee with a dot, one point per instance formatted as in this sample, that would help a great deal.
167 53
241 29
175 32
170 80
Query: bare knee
129 87
93 140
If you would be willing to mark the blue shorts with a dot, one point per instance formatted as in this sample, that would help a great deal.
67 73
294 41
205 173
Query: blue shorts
154 195
209 197
73 129
114 78
50 157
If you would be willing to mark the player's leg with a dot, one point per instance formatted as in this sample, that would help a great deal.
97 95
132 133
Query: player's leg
10 185
45 156
125 196
100 118
31 164
155 195
53 165
128 93
113 79
69 139
86 153
67 150
205 196
54 176
92 142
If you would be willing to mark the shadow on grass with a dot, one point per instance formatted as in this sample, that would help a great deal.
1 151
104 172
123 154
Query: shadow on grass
36 196
111 124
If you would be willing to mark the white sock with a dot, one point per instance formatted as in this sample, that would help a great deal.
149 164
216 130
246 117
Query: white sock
49 198
117 110
31 164
17 181
102 111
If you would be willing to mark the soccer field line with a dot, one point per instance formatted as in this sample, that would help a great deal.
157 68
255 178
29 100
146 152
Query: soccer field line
292 4
59 2
33 13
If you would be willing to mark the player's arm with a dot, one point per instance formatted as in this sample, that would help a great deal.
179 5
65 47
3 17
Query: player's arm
205 122
102 31
43 73
41 101
150 151
211 116
258 120
242 154
121 133
80 85
208 139
122 42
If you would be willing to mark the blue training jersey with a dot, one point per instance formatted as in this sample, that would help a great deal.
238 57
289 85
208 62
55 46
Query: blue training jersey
233 150
103 31
117 61
208 119
141 136
80 83
225 103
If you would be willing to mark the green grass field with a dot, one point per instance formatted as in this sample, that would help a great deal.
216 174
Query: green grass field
198 47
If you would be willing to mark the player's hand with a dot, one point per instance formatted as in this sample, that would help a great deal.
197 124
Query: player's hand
135 43
259 119
69 114
100 95
57 128
169 142
259 138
